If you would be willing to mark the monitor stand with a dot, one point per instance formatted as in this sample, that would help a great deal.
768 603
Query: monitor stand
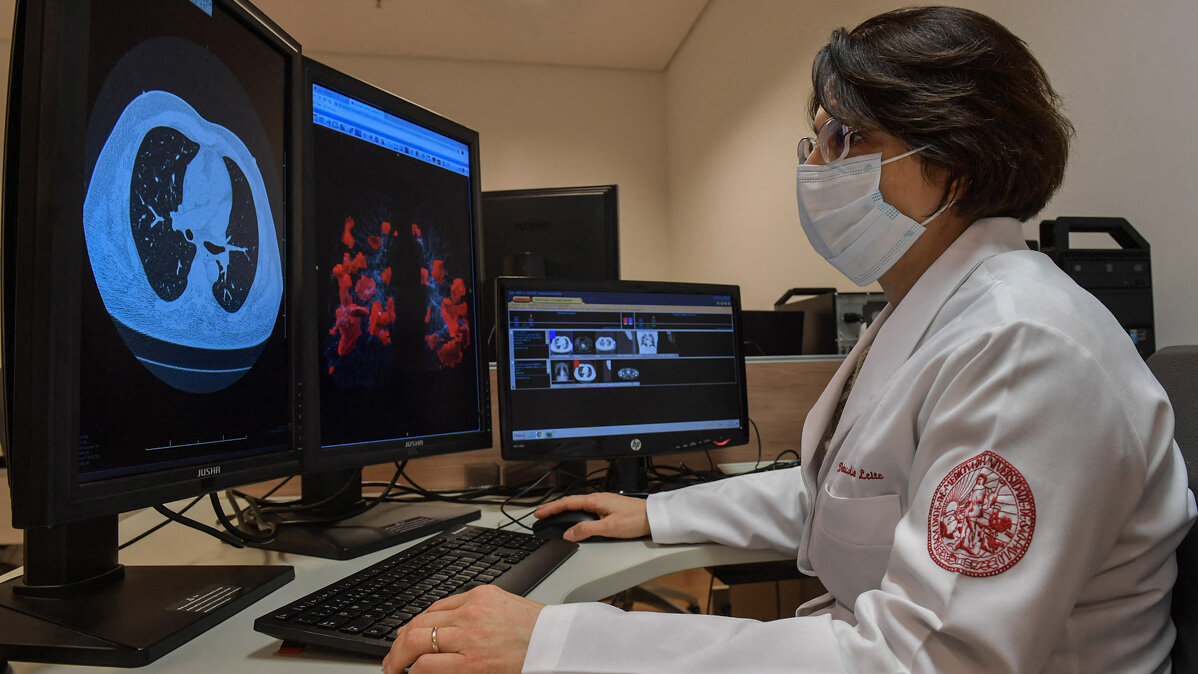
339 529
77 605
628 476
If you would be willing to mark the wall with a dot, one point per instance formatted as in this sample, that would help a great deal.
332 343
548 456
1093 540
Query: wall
545 126
736 104
735 108
1125 71
704 153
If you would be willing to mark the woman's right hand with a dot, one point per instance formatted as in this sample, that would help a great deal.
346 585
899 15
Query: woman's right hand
620 516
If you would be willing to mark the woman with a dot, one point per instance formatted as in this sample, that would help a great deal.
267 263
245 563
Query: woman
1024 495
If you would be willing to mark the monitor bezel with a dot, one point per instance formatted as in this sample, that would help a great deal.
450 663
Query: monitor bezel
44 185
614 446
606 260
317 457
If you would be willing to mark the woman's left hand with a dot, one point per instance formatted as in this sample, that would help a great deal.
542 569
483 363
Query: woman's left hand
483 630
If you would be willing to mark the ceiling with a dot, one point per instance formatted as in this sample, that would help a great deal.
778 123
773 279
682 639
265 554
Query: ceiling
635 34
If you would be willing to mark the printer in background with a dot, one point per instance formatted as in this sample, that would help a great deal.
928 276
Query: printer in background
1121 278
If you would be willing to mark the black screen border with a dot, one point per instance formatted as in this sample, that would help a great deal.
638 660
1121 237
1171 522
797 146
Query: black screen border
44 190
615 446
316 457
560 236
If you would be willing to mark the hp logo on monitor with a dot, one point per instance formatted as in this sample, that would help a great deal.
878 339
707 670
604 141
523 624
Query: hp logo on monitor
635 444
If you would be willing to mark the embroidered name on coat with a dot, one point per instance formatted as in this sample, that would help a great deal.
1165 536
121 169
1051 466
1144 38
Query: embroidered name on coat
982 517
853 471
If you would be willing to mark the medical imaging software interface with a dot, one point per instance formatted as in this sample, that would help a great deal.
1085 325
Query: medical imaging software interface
395 275
183 346
599 364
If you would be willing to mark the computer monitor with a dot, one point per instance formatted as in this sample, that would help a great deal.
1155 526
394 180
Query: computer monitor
772 333
618 370
552 232
392 354
147 196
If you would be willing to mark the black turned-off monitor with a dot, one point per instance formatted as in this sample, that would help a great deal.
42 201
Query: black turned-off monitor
552 232
148 196
391 307
618 370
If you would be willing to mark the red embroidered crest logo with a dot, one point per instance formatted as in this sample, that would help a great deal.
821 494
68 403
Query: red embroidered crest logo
982 517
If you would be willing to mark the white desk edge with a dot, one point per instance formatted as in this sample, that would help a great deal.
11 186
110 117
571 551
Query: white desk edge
596 571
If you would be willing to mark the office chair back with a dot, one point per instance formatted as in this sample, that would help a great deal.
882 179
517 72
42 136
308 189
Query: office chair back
1176 367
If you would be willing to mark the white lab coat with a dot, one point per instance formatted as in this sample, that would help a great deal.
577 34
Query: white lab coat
994 356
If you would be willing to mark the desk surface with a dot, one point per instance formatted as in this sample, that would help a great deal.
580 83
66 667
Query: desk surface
596 571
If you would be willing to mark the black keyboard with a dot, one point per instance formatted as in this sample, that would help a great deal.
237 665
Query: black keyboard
362 611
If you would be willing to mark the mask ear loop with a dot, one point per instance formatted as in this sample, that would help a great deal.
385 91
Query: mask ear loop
906 154
955 192
937 213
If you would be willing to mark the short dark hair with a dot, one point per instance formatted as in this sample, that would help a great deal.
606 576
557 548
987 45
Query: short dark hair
959 83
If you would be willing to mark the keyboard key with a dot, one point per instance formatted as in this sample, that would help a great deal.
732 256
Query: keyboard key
332 622
356 625
307 619
377 631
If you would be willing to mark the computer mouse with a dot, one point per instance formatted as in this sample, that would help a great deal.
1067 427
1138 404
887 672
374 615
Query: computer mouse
555 525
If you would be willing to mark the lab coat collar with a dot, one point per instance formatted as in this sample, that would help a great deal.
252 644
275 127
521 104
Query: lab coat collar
898 337
820 415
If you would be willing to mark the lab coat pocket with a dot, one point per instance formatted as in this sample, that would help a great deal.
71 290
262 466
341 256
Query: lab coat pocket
850 547
860 521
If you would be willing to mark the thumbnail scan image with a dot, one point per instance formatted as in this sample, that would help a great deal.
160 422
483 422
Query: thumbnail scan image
561 344
605 344
579 371
182 244
561 372
610 342
585 372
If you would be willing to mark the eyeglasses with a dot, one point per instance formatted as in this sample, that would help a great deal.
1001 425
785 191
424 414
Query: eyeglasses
833 141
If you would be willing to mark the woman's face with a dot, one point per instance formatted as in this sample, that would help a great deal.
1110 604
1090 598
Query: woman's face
903 184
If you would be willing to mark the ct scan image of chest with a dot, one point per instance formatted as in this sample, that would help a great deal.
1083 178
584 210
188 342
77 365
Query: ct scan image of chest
182 244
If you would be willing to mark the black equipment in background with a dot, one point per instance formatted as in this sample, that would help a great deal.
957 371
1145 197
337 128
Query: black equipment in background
832 321
772 333
557 232
855 312
819 317
1120 278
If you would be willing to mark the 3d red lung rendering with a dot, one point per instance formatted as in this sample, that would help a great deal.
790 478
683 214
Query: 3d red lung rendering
357 350
366 304
447 315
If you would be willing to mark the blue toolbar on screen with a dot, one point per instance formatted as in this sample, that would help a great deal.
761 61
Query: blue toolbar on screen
354 118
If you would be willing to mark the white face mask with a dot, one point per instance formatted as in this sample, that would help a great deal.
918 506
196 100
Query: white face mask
847 221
